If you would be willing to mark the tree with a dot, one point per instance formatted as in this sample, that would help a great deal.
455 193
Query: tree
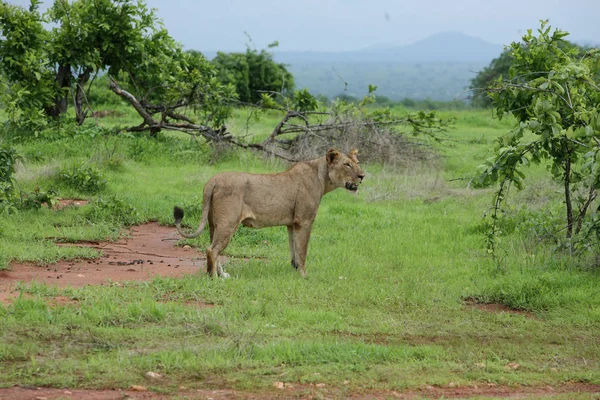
253 73
45 71
498 68
97 35
54 66
169 84
27 81
553 92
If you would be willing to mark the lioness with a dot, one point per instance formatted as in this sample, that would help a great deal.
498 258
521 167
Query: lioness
289 198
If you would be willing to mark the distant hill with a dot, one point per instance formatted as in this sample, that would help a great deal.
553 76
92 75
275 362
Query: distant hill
434 80
444 46
438 67
441 47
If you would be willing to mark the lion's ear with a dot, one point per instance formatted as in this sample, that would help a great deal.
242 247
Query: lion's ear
332 155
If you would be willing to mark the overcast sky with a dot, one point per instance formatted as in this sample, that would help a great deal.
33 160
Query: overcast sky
341 25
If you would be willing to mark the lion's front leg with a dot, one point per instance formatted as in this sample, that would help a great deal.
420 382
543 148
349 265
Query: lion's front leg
301 237
292 246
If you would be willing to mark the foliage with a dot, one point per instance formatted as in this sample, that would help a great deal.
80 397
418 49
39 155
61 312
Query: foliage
252 73
86 178
168 78
553 95
27 88
94 36
35 199
45 69
100 94
8 161
498 67
10 201
413 104
113 209
303 101
307 129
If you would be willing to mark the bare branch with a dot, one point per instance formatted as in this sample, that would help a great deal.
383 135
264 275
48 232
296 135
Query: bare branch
148 120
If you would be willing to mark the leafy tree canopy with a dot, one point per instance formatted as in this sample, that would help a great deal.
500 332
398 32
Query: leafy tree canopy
253 73
44 70
552 90
500 67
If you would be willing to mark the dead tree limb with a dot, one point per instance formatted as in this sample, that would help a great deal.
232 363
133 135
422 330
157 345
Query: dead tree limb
331 128
148 120
189 127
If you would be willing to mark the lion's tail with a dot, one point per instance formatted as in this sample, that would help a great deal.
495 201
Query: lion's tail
206 200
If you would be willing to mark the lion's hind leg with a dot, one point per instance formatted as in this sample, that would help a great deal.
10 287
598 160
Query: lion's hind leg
221 237
221 272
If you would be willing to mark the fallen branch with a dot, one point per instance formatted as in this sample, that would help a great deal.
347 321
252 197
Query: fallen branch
353 128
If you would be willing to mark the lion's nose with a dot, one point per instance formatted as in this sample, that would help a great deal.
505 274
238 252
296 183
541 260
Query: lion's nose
361 176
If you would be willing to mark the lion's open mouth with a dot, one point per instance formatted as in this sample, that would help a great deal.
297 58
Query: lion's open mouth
353 187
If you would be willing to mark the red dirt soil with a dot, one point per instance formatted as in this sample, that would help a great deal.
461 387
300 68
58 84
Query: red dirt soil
306 392
495 308
150 252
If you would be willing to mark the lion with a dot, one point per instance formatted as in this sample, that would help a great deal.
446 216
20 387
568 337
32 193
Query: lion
290 198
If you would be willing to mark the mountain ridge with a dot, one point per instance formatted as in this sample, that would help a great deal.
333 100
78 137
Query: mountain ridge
438 67
448 46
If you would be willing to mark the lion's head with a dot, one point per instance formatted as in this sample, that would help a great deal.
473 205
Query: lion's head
344 169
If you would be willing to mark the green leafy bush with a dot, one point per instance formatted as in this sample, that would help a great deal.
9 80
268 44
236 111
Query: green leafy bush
35 199
113 209
192 208
10 201
8 161
85 178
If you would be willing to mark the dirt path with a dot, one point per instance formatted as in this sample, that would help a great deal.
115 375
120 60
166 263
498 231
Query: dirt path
150 252
307 392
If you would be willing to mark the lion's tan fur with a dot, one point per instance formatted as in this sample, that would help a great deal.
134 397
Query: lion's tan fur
290 198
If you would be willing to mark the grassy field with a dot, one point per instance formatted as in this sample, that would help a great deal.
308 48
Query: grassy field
384 307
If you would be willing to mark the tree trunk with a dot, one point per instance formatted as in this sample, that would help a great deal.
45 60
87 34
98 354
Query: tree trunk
82 79
63 79
568 195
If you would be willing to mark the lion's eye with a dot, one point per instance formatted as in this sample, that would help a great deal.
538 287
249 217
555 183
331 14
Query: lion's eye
348 165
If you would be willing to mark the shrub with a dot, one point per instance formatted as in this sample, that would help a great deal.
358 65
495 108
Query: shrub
8 161
113 209
85 178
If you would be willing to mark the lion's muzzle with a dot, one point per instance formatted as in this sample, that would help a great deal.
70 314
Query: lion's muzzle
351 186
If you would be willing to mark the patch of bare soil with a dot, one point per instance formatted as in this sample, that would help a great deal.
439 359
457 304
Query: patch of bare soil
149 252
290 391
62 203
495 308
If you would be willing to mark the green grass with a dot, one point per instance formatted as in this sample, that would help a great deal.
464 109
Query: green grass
382 306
